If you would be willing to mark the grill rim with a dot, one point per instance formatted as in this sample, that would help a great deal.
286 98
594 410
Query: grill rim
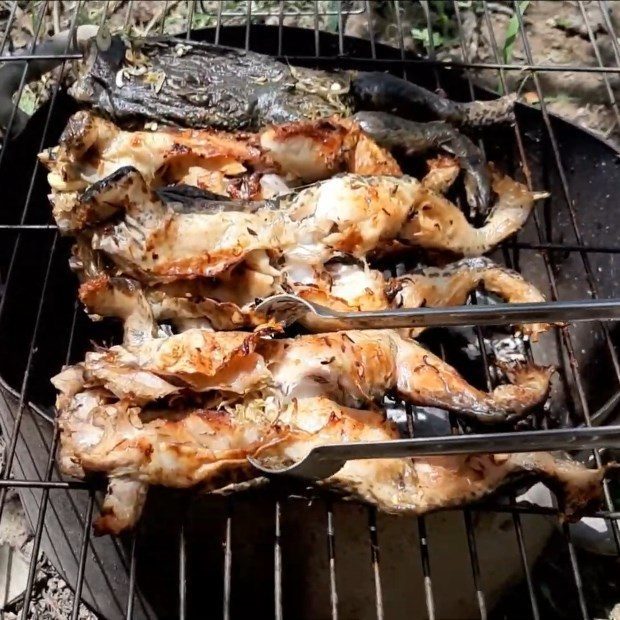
567 345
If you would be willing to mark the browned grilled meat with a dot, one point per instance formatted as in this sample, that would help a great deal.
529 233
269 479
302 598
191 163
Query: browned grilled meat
250 166
228 303
355 368
161 242
241 165
208 449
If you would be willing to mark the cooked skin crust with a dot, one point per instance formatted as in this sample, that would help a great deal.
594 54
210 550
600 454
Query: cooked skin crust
451 285
157 242
162 245
208 449
355 368
122 298
91 148
185 304
252 166
122 505
204 85
229 304
223 362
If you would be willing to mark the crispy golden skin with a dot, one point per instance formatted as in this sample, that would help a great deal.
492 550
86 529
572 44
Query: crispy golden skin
354 368
195 447
233 164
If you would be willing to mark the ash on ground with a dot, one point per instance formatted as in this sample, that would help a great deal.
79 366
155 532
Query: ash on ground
51 598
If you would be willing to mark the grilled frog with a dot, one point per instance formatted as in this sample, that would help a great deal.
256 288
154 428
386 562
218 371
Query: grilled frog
207 449
198 85
194 84
344 285
354 368
253 165
161 242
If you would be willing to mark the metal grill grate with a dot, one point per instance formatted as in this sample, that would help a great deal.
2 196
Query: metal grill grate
541 241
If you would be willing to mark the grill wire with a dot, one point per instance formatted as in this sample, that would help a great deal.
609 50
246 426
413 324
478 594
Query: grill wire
49 482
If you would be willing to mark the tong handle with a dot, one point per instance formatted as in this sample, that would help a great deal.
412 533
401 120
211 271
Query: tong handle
324 461
526 441
496 314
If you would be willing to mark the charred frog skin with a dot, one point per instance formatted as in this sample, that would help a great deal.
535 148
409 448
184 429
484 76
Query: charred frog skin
394 132
203 85
199 84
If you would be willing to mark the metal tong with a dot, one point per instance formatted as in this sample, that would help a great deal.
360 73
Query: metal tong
324 461
289 309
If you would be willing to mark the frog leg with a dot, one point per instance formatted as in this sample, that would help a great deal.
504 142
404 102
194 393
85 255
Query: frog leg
391 131
385 92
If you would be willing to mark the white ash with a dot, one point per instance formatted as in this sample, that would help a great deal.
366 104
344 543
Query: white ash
14 530
52 599
507 350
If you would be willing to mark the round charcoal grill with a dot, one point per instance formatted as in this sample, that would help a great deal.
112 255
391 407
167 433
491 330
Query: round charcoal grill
276 553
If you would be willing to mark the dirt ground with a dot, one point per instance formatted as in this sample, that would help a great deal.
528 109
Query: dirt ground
560 33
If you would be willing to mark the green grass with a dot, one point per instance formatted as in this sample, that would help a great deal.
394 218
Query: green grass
511 33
